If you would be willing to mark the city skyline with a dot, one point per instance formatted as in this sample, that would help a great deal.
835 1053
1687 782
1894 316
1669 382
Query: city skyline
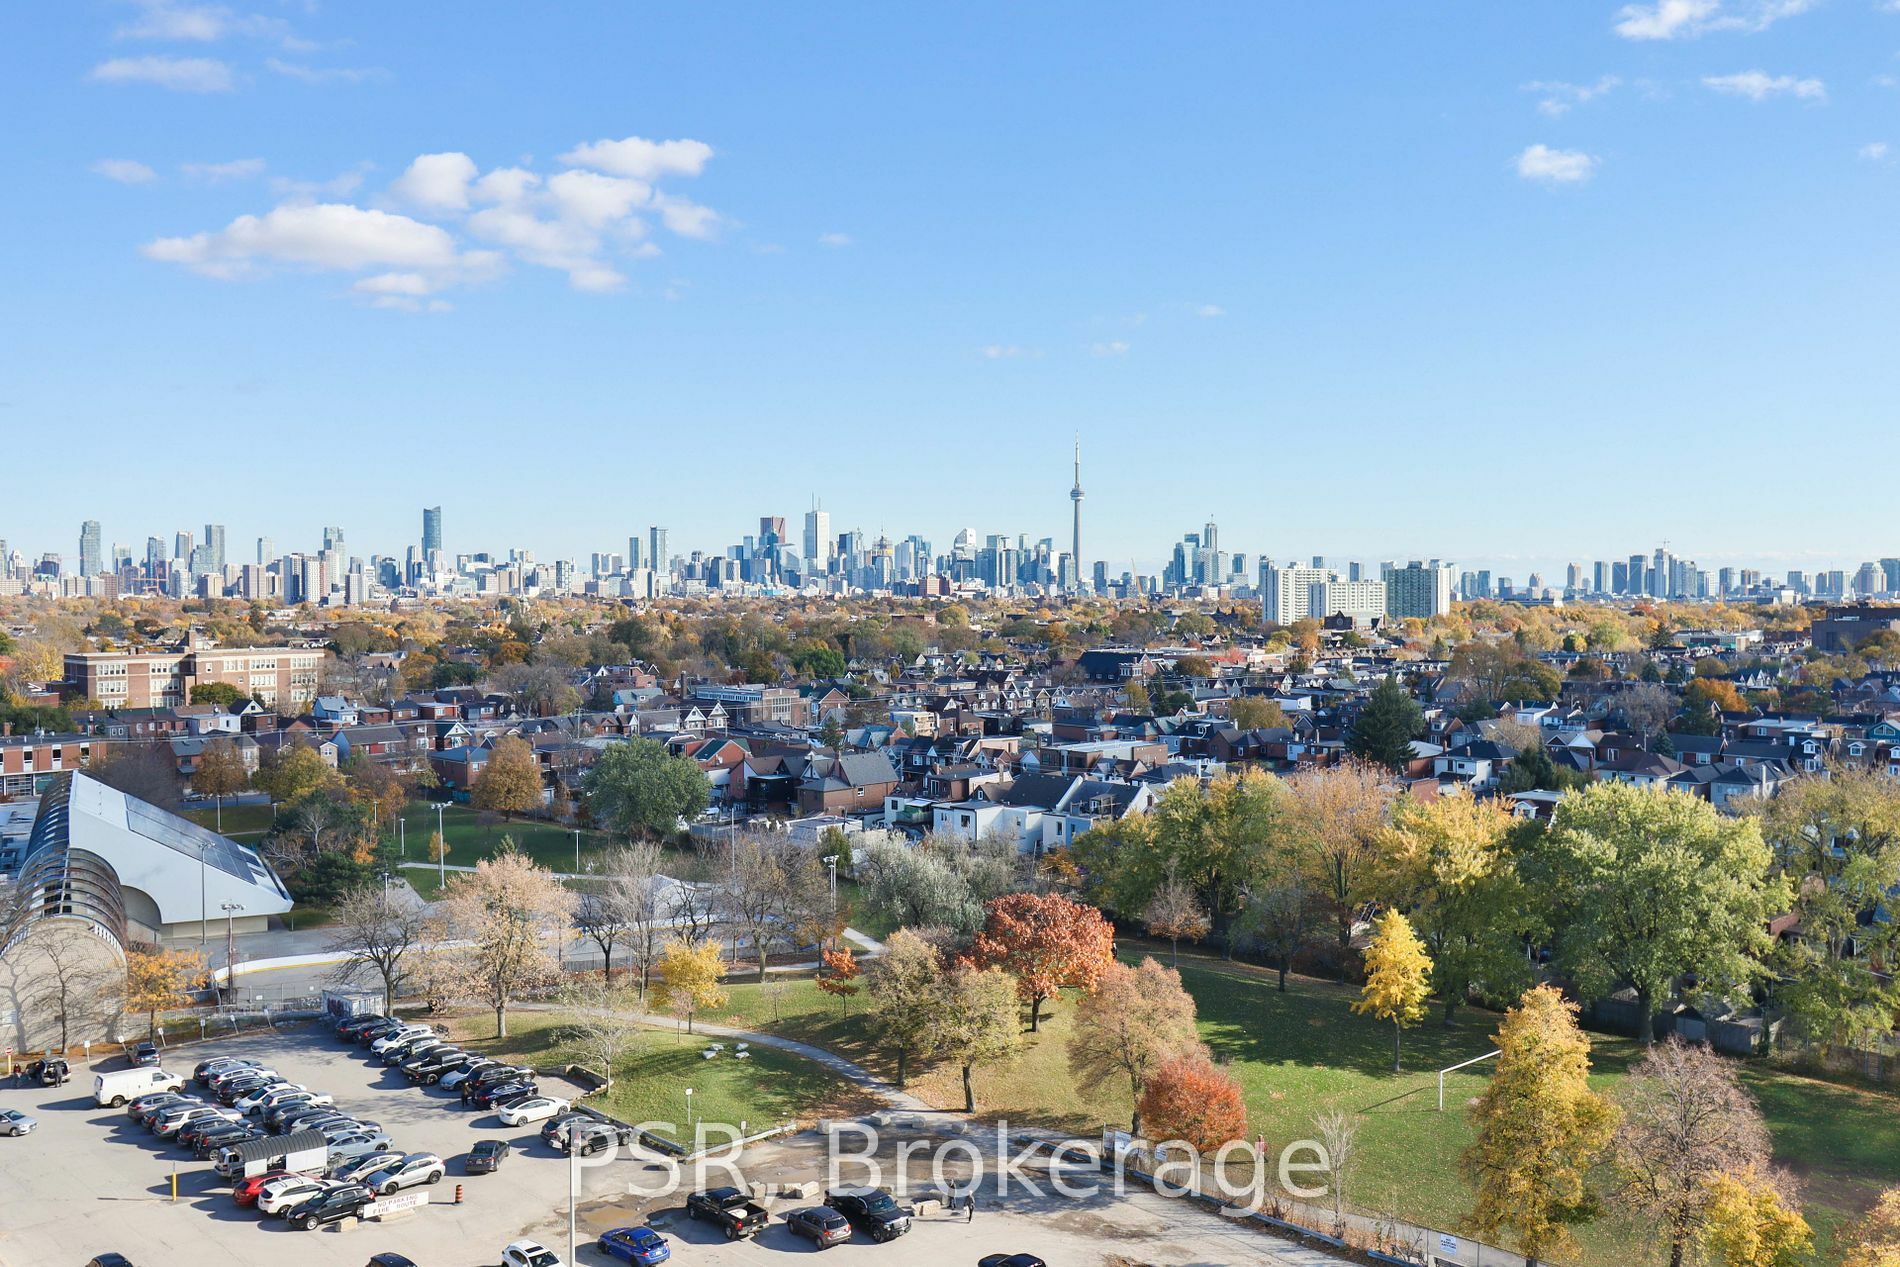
1210 246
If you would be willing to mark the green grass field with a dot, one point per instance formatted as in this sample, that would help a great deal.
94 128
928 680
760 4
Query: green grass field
766 1088
1303 1052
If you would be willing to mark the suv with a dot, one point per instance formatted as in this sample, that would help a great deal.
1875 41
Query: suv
872 1209
429 1069
588 1138
350 1026
334 1206
143 1054
416 1168
476 1066
202 1074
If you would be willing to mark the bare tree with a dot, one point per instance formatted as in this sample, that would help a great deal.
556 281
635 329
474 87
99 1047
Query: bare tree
1646 707
631 898
1339 1134
1686 1119
145 771
509 909
1175 912
377 936
757 889
603 1026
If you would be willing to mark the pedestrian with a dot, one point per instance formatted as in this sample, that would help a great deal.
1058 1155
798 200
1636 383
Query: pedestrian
969 1207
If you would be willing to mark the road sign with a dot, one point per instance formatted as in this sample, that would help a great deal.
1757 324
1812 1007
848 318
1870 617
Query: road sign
397 1204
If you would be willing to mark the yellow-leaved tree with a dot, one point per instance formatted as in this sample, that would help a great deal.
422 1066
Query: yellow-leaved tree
1540 1128
1874 1241
1398 978
1750 1224
689 979
159 981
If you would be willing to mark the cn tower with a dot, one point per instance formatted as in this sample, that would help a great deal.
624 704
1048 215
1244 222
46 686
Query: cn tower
1075 497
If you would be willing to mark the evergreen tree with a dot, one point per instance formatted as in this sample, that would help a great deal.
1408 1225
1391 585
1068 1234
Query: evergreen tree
1386 726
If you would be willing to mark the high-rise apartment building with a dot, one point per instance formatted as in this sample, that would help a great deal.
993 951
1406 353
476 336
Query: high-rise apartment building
657 557
1421 590
1287 591
214 548
90 561
431 530
818 539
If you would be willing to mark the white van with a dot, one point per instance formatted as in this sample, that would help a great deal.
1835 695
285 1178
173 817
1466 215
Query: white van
114 1087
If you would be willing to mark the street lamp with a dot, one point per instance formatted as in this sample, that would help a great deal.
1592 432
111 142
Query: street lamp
441 846
689 1112
230 910
577 851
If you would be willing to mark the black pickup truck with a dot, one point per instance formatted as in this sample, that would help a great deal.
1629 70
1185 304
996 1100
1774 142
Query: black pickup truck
729 1208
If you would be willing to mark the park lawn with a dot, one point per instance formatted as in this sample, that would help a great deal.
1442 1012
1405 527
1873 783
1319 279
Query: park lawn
766 1088
240 821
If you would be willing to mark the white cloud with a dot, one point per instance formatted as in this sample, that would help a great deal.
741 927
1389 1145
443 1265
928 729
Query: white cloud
319 235
1560 97
1002 352
437 182
1759 86
180 74
687 218
1556 167
197 23
1210 310
597 200
217 173
1687 19
834 239
323 74
641 159
1874 151
342 185
126 171
1115 347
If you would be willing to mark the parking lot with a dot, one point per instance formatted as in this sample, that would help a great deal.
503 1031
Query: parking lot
89 1180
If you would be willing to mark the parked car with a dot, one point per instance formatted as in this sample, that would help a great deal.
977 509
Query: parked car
350 1026
50 1071
486 1157
397 1054
590 1137
259 1097
115 1086
1010 1260
376 1029
416 1168
146 1109
728 1209
275 1198
169 1123
456 1077
536 1108
143 1054
334 1206
188 1135
641 1246
429 1069
359 1145
496 1094
391 1259
231 1092
555 1127
357 1169
397 1037
822 1226
224 1077
206 1068
108 1260
208 1144
334 1131
14 1122
244 1192
494 1077
872 1209
530 1254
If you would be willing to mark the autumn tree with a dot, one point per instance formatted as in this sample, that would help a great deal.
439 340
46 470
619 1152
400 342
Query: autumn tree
973 1020
1189 1098
1337 815
1540 1129
689 979
639 788
1448 864
1648 885
1175 912
900 984
1046 943
1256 712
1686 1121
603 1026
509 909
1383 731
376 934
159 981
1398 977
1135 1019
220 773
1751 1222
289 774
510 781
838 975
1874 1239
631 899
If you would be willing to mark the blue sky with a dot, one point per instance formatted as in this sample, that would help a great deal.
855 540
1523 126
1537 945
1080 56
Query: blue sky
1510 284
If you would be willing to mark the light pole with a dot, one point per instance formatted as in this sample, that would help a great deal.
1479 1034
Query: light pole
577 851
441 847
573 1190
689 1112
402 837
230 910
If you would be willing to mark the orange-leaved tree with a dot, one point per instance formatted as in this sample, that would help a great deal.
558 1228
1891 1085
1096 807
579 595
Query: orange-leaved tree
1046 943
838 974
1190 1098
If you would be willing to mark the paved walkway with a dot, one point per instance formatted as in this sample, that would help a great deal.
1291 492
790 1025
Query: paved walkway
898 1099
